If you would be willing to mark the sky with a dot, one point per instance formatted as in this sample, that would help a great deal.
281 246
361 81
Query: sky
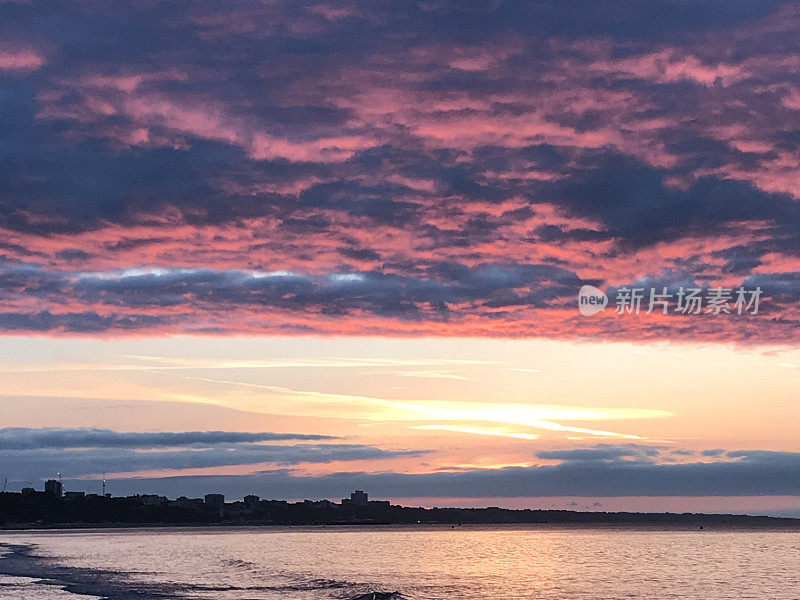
299 248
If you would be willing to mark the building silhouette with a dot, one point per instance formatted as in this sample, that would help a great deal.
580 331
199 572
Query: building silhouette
215 502
52 508
357 498
54 487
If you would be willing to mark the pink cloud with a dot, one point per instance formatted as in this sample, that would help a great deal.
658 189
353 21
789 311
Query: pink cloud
20 60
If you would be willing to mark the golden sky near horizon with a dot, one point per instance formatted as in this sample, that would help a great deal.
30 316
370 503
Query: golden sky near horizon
472 402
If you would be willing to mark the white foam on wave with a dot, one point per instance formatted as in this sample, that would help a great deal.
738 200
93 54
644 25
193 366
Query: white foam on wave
15 588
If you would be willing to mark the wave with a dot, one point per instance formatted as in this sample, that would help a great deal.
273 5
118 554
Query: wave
22 562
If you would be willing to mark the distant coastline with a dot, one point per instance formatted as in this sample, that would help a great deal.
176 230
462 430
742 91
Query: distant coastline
53 510
697 521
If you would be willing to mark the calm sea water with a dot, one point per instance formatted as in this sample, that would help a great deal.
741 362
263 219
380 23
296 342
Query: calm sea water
541 562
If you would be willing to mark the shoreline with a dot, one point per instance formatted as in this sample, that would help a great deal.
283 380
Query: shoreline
778 524
34 573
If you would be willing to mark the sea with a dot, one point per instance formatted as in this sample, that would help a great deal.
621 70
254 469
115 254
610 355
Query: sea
543 562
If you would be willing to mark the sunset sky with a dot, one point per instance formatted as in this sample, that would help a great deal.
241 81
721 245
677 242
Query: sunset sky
298 248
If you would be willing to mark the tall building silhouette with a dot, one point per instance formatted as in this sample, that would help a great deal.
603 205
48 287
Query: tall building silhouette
54 487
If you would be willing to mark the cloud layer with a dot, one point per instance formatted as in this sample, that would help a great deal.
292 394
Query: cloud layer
420 167
22 438
41 453
737 473
602 470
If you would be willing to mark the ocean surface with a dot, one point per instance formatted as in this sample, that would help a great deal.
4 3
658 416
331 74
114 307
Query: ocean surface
421 563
